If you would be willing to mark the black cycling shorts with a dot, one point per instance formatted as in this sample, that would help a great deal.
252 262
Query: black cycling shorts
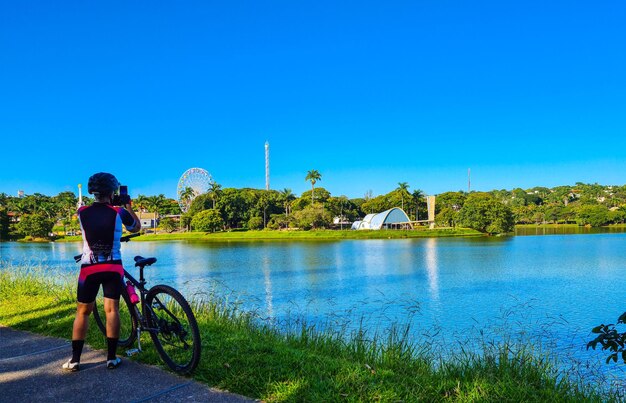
88 288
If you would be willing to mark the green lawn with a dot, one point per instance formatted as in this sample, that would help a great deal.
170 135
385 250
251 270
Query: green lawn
304 235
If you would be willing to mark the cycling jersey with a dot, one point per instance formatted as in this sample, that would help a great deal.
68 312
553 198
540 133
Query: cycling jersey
101 225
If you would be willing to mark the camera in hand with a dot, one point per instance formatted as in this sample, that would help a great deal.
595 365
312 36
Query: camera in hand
122 198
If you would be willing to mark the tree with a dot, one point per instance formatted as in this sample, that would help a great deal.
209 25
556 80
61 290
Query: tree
67 202
187 195
200 203
168 224
207 221
154 205
232 207
447 217
321 195
36 225
312 217
313 176
418 199
263 204
378 204
214 192
403 189
4 223
611 339
287 196
593 215
185 221
255 223
140 203
280 221
484 213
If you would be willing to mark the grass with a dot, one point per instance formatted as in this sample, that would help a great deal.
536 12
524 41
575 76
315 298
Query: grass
301 363
304 235
547 226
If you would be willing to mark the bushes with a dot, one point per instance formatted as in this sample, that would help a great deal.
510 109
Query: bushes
168 224
255 223
207 221
312 217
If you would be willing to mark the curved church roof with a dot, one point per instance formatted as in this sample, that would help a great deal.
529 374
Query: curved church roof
386 219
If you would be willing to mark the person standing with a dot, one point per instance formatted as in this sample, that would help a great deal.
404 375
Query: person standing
101 263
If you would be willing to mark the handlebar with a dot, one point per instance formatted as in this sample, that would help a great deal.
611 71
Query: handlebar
126 238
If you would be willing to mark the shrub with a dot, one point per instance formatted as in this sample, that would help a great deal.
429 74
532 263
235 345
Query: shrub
255 223
168 224
312 217
207 220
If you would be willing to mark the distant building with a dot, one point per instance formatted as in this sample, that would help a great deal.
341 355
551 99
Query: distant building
148 220
394 218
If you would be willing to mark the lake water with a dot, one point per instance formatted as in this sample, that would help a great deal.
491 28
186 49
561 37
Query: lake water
555 287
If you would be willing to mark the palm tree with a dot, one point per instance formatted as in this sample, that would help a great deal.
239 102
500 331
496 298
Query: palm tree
417 196
313 176
187 195
288 197
154 204
214 191
140 202
403 188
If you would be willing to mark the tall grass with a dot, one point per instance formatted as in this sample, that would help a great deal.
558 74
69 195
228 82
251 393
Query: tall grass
296 360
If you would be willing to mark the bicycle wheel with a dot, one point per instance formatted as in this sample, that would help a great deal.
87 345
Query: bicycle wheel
175 335
128 322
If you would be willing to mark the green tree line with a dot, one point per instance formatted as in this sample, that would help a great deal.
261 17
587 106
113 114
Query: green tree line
220 208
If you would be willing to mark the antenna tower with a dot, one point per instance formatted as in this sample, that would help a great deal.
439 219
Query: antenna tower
468 180
267 165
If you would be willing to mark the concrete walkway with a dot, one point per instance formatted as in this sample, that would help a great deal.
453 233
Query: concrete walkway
30 371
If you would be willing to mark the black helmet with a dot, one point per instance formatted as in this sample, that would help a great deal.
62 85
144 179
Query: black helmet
102 183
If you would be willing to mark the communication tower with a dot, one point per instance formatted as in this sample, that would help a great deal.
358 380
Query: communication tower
267 165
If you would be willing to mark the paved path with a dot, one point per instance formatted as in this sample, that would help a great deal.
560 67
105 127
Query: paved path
30 371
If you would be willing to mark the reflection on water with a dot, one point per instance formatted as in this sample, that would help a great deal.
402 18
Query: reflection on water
430 258
566 230
267 271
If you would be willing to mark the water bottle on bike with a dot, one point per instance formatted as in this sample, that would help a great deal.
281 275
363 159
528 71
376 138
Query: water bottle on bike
132 294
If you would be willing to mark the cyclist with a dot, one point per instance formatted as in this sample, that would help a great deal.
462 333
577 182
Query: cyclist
101 263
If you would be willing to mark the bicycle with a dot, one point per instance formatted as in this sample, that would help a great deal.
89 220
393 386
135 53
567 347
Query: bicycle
165 314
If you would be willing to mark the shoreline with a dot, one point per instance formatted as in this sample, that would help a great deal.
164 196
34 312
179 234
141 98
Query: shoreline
328 235
316 235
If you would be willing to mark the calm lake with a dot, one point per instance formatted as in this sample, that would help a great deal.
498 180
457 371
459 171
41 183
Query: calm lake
553 287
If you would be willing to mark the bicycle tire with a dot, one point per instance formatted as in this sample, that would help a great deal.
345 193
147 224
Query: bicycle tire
128 321
176 335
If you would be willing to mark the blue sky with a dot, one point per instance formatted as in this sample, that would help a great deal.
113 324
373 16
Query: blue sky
370 94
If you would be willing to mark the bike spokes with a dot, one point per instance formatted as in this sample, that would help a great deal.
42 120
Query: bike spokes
176 335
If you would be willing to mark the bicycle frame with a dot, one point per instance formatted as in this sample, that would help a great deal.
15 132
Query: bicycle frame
142 324
142 321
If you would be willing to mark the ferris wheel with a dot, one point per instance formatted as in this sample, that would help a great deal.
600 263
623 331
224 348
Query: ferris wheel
193 183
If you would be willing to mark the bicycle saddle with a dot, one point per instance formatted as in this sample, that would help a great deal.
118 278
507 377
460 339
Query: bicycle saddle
144 261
